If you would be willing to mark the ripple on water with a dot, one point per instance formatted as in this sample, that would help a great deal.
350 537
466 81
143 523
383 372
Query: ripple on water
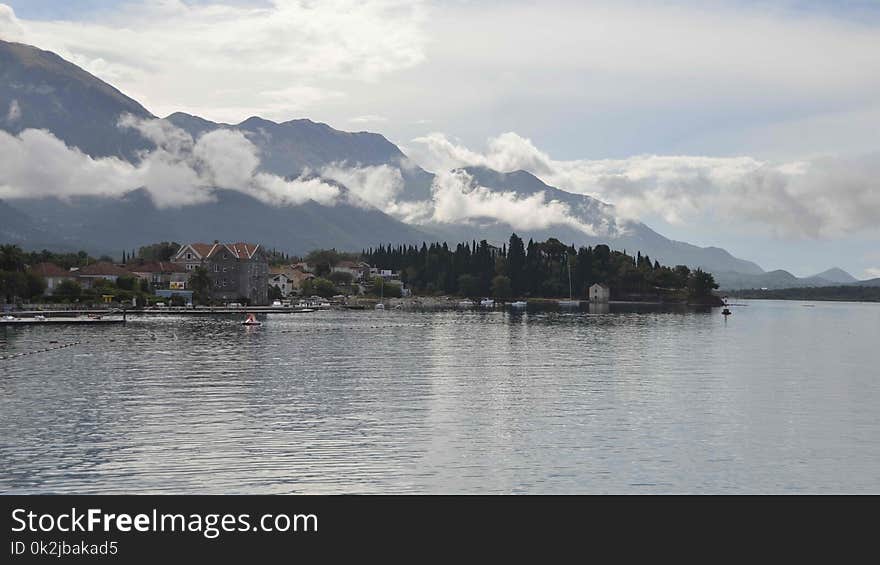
777 398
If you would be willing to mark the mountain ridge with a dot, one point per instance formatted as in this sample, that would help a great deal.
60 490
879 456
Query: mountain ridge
83 111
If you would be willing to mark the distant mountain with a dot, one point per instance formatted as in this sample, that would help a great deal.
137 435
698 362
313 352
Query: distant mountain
836 275
291 148
869 282
38 89
16 226
778 279
106 225
633 236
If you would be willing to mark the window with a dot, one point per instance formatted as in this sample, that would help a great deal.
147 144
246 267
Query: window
189 256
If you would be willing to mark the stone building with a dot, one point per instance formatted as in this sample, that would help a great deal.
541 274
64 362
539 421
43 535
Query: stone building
238 271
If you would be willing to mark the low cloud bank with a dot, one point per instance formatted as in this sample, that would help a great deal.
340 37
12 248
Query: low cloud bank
455 198
821 197
179 172
183 171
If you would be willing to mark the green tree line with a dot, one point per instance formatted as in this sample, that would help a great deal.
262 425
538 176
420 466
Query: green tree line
533 269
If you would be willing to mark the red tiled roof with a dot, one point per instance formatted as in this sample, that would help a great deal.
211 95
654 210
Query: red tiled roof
242 250
238 250
103 269
203 249
50 270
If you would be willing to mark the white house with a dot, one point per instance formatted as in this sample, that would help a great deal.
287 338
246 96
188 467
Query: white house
53 275
600 293
279 278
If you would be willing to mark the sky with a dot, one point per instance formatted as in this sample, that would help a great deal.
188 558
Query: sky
748 125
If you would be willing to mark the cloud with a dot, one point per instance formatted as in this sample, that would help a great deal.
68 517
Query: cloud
379 187
180 171
10 28
457 198
872 272
368 118
375 186
275 58
14 113
819 197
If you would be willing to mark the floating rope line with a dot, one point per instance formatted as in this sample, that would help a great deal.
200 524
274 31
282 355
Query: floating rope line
25 353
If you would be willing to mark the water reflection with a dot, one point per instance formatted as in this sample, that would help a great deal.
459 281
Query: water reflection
619 398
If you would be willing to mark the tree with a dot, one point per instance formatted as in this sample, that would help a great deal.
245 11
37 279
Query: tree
516 264
68 289
126 282
322 261
391 290
701 284
323 287
158 251
35 285
468 285
501 287
11 258
200 284
341 277
12 285
275 292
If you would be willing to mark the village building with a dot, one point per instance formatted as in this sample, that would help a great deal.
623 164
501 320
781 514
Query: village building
53 275
238 271
280 277
600 293
100 271
358 270
298 277
162 274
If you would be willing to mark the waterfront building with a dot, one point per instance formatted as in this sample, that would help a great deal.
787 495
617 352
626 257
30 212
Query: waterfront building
102 270
237 270
280 277
600 293
163 275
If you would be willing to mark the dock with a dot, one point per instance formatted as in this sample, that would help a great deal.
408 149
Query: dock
167 311
58 321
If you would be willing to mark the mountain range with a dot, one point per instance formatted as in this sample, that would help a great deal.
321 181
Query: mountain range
40 90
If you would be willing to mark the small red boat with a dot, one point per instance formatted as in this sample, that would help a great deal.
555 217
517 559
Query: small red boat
251 320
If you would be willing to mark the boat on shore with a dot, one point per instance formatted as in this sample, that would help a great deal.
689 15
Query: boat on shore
519 304
487 303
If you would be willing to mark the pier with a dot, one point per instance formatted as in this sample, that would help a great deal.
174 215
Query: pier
31 321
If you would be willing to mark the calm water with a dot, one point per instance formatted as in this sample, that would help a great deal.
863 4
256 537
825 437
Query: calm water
782 397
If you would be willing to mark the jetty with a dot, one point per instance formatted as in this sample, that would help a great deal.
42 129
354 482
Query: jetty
166 311
31 321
